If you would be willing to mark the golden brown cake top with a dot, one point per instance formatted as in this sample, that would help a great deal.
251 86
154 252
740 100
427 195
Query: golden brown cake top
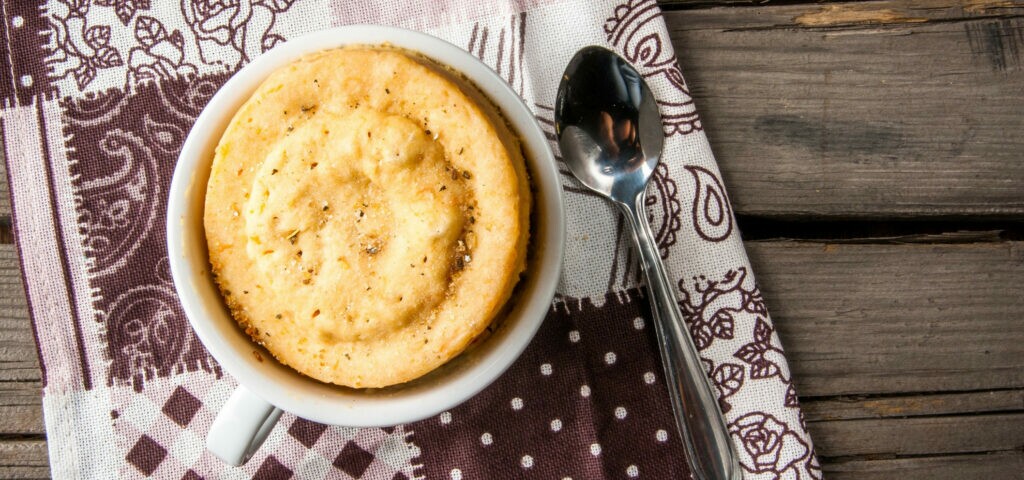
367 216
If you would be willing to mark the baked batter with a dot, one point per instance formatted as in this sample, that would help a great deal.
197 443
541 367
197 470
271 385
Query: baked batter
367 216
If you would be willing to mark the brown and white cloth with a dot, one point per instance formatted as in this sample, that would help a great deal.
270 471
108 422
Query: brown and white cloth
98 96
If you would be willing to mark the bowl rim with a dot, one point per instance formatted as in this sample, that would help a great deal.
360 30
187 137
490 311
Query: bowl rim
360 409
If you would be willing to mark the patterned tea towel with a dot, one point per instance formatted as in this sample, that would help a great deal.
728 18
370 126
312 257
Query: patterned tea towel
98 96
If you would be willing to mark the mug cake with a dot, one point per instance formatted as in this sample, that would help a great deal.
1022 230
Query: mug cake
367 215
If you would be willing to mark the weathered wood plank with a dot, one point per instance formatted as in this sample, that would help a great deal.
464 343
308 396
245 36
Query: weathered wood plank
914 405
18 358
869 319
918 436
1001 465
898 109
20 388
23 459
21 408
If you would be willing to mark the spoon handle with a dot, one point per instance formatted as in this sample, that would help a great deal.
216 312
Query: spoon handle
700 422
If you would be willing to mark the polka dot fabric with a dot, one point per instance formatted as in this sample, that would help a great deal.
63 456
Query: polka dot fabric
532 424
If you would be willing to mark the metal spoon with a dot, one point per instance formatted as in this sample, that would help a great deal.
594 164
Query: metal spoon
609 130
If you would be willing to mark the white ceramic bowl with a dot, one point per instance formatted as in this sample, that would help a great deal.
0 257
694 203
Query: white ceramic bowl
281 386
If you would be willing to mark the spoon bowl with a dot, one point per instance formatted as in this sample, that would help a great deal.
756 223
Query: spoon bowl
609 127
609 130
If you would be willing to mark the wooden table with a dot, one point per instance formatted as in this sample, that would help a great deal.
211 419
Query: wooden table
874 154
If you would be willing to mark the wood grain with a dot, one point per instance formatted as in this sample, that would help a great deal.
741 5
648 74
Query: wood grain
999 465
24 459
18 358
20 379
21 408
919 436
870 319
814 116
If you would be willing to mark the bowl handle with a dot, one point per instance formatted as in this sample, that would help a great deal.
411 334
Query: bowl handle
241 426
